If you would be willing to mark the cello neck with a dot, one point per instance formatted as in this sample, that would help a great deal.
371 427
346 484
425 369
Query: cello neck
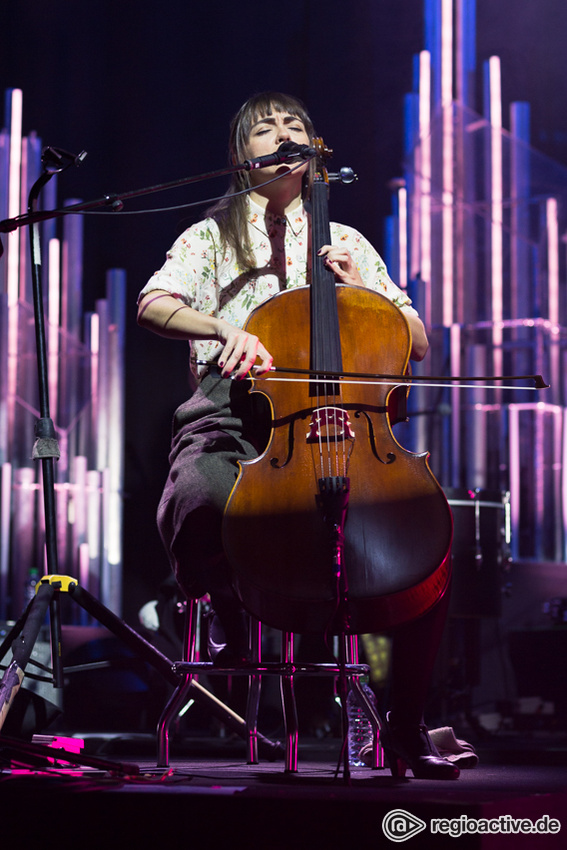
325 335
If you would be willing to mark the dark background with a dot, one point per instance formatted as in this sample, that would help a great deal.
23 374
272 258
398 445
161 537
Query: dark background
147 89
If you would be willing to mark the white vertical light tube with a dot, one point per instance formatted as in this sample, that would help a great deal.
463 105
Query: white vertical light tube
552 226
94 517
564 484
5 518
14 195
107 575
13 252
514 478
84 567
94 337
456 441
24 190
100 435
116 288
403 237
557 473
477 419
425 182
496 210
78 516
539 447
448 158
552 260
115 454
54 290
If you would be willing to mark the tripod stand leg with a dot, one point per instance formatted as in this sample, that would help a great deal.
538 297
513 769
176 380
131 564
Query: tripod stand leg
34 617
9 687
165 666
122 630
22 648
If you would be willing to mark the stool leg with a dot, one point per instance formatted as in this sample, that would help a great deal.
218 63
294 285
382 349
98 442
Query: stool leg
289 705
365 703
254 689
170 712
179 696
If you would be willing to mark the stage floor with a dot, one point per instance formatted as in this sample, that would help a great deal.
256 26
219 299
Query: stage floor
210 797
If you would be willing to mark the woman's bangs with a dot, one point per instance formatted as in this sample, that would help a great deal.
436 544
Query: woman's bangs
259 107
280 103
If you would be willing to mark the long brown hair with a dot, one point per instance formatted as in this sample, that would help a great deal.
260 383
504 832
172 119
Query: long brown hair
231 213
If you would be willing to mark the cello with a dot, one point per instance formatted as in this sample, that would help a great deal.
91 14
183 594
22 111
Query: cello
335 526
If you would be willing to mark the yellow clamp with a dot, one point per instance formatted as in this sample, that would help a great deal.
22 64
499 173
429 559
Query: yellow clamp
64 582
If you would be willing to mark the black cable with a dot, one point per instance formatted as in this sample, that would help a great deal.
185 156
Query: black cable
71 211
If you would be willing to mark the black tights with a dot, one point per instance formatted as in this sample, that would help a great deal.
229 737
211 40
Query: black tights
414 650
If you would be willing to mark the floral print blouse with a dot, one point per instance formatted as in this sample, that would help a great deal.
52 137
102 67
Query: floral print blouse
204 276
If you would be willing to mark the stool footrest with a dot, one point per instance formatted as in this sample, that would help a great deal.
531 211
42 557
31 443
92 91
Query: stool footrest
270 668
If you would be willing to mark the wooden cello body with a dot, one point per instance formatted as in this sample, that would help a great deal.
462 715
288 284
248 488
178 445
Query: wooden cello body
335 526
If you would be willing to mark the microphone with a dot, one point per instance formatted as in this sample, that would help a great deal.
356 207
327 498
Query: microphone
55 160
286 152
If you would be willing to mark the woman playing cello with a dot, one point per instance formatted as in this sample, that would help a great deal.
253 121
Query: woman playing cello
251 247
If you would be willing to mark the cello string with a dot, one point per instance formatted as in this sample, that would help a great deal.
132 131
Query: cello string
343 435
316 416
328 420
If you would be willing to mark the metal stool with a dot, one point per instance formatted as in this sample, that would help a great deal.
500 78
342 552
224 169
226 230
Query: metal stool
286 669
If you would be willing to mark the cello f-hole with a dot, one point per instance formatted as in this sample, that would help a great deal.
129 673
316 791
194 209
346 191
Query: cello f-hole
391 456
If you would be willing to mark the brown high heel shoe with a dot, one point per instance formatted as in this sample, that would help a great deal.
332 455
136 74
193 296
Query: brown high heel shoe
410 746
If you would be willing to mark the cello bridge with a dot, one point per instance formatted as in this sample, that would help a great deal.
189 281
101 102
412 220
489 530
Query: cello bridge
330 424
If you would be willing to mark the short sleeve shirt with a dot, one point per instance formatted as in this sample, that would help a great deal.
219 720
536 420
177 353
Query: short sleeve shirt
203 273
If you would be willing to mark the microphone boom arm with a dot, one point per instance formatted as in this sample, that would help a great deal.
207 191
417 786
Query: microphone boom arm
116 200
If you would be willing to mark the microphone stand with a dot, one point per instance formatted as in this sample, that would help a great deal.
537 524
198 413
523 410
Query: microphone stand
46 449
115 201
24 633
